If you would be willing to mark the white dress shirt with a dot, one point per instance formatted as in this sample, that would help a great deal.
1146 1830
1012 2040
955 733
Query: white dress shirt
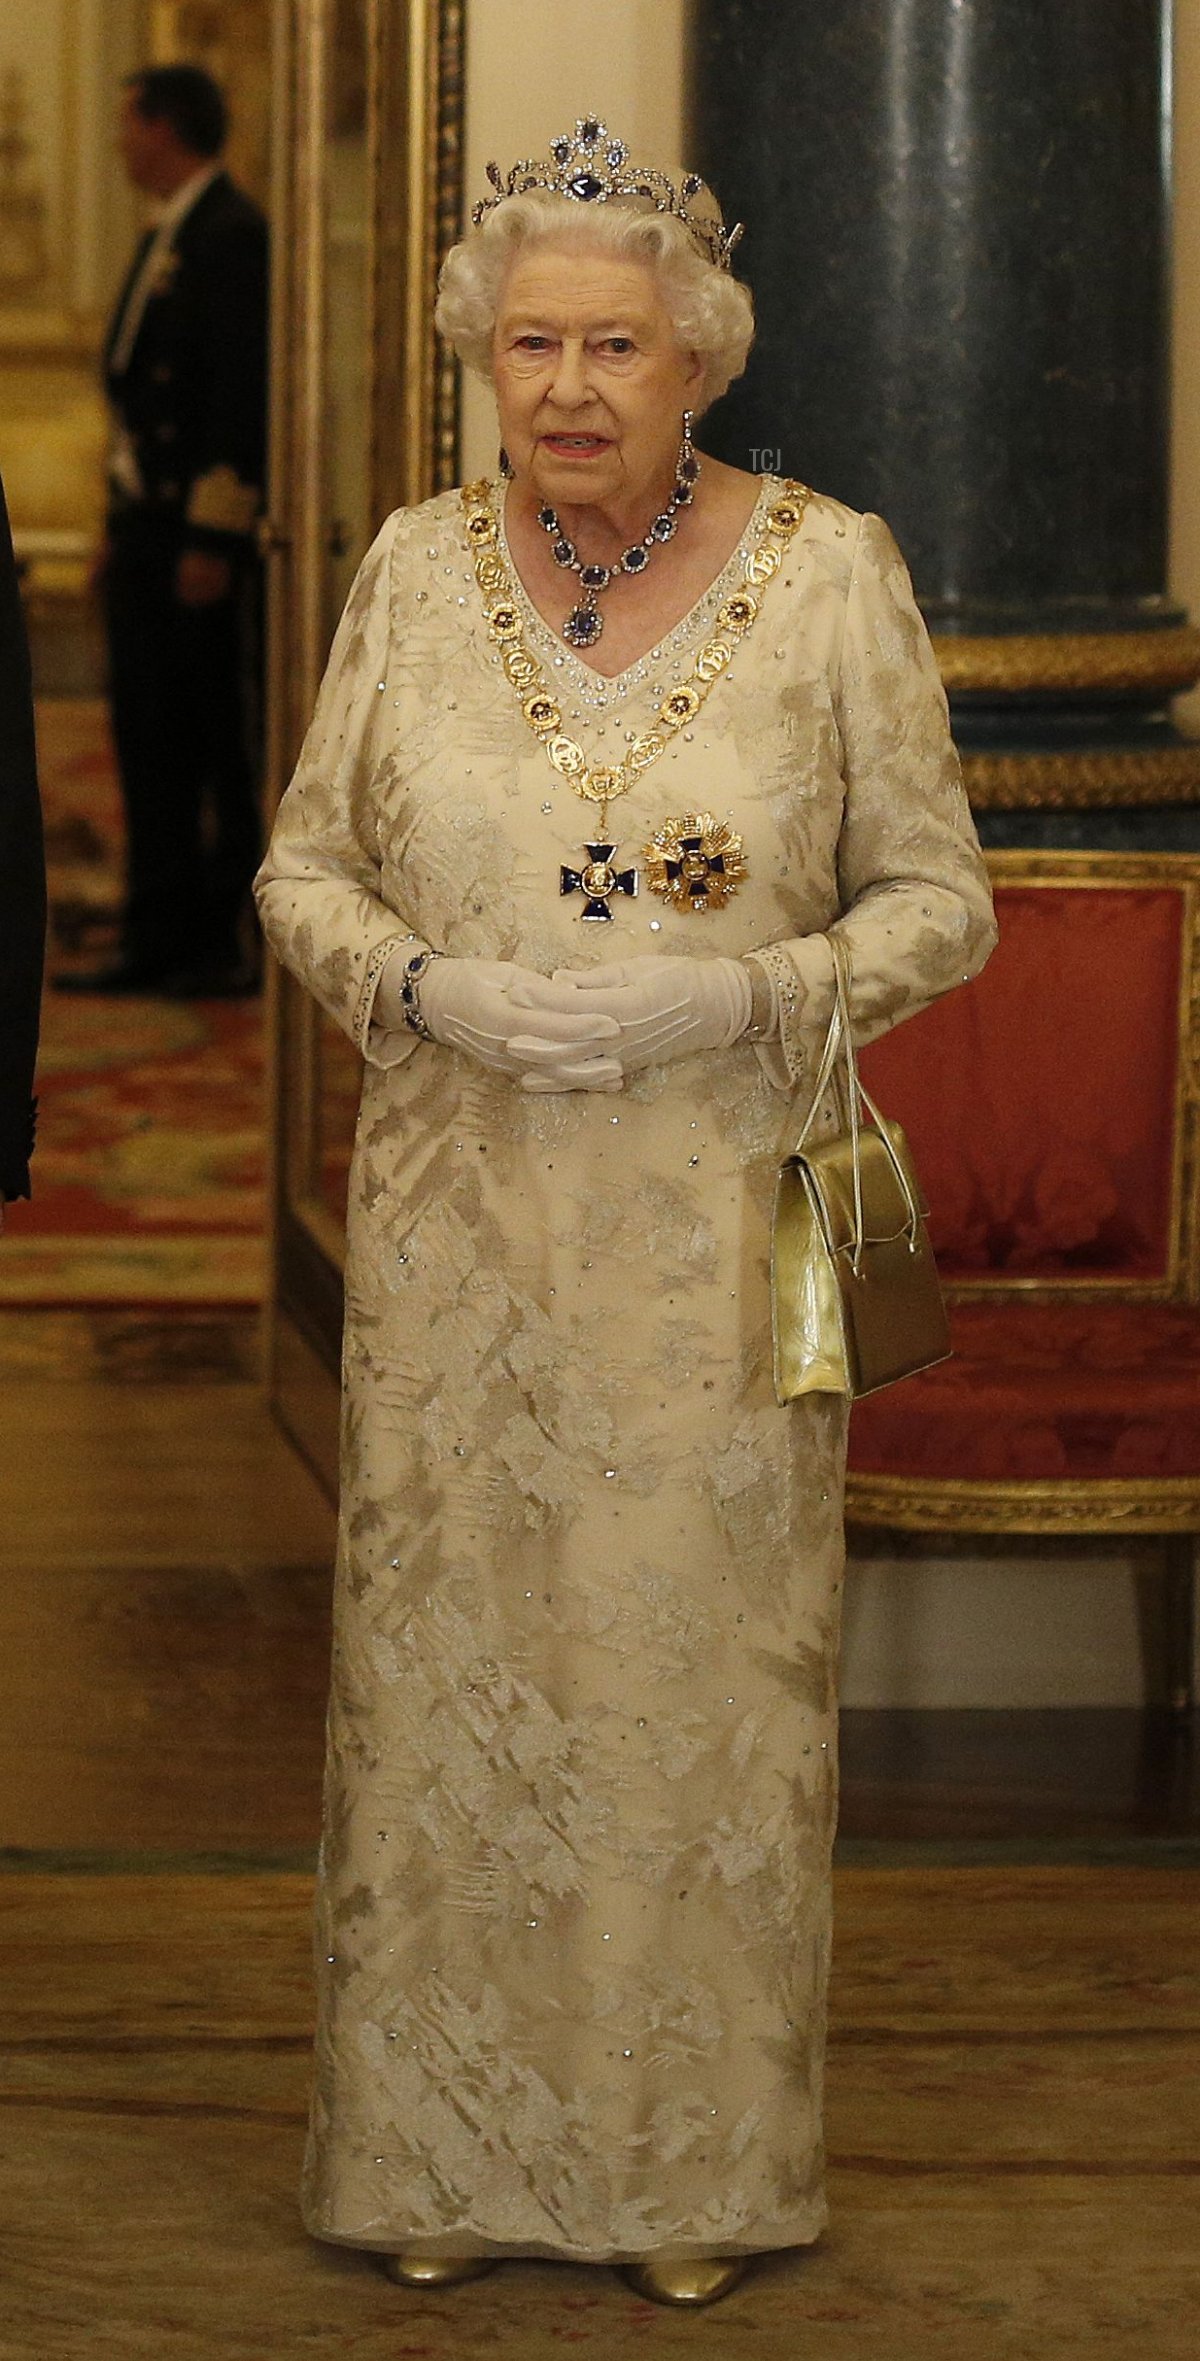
123 468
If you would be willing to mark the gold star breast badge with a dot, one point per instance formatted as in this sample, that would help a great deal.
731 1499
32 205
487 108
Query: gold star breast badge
695 863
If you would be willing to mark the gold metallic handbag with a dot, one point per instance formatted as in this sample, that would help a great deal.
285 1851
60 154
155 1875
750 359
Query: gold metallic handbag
855 1299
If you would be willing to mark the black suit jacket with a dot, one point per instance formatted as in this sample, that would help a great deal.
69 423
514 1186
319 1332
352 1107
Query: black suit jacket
22 884
193 394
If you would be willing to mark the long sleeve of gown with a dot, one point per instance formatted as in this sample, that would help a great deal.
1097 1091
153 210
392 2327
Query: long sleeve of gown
318 890
916 906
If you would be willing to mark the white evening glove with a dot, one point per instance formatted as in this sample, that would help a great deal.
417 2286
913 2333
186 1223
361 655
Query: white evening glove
509 1019
665 1008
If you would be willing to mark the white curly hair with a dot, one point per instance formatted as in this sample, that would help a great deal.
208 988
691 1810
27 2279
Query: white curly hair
712 313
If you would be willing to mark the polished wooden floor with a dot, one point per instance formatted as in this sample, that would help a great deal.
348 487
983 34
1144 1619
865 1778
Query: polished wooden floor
163 1613
1013 2126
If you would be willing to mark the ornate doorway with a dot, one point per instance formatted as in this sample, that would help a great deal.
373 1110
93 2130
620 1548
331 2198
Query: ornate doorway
367 143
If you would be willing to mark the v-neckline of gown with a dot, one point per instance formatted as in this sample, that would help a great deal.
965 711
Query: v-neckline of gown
601 689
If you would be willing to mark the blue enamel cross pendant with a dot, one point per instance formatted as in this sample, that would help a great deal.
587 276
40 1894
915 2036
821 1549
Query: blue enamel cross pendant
598 881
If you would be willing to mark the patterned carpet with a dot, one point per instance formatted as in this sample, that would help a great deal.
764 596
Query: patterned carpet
149 1177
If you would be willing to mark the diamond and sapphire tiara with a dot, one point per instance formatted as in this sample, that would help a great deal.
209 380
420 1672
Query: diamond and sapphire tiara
594 168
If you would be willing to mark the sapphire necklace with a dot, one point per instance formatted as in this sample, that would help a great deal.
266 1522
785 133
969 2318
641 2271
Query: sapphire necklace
585 622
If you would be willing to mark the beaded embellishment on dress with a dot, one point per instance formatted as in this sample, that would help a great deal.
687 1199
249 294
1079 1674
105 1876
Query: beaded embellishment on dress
601 691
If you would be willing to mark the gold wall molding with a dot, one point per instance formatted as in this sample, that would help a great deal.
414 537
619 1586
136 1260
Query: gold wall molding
25 271
1077 781
446 202
1062 662
67 222
418 82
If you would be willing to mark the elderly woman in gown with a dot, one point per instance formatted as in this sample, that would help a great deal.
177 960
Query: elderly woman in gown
605 749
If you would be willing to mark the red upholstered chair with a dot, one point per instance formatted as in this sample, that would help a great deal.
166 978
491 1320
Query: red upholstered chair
1054 1110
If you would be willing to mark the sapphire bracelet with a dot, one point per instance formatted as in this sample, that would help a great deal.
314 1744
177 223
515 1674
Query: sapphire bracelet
410 993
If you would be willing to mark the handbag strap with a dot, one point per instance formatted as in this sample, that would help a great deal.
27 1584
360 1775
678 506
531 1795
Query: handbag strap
841 984
829 1054
840 1038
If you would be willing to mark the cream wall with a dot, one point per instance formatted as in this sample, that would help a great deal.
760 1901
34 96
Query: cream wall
957 1631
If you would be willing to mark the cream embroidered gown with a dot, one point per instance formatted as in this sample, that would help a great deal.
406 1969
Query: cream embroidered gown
573 1924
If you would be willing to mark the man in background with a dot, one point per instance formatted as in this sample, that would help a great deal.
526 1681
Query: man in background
22 887
186 375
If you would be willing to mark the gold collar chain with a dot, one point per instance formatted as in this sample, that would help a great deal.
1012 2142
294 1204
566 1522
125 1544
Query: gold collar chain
602 783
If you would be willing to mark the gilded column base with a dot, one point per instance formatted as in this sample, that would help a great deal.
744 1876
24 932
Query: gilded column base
1113 670
1074 781
1020 664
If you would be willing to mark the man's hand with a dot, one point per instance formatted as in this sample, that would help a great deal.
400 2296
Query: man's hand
202 578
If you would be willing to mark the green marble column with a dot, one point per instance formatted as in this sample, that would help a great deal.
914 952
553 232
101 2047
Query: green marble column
957 216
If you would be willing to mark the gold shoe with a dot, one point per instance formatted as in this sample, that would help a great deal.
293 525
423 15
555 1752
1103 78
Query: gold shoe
703 2281
436 2270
